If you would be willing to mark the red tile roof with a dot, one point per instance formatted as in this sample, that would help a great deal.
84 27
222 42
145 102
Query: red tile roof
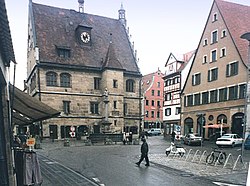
237 19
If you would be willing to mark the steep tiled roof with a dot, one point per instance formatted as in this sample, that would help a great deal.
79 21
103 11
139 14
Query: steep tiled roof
6 46
186 59
111 60
237 19
147 80
57 26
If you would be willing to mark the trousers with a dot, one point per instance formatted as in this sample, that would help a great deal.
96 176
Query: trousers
31 169
144 155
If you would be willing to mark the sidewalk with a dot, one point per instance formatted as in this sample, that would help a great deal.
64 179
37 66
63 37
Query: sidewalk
57 174
218 173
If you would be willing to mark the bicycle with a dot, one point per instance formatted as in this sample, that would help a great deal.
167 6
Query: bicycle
216 155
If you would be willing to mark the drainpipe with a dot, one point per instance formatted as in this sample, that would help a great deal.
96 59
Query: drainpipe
37 58
140 108
4 180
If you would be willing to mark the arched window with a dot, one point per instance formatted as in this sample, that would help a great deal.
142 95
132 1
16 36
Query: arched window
130 85
65 80
51 79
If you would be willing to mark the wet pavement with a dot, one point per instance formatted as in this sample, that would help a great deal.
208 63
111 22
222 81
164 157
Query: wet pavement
55 173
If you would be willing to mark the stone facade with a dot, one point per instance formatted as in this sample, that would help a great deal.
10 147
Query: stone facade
103 62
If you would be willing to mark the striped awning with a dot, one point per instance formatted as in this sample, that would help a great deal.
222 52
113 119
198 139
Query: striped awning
27 109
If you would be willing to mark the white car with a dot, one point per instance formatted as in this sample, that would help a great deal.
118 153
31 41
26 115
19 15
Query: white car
154 132
229 140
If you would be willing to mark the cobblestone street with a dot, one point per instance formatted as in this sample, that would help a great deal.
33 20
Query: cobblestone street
188 166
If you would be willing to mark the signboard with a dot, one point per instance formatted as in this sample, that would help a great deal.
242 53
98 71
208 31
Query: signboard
72 129
72 134
31 142
178 128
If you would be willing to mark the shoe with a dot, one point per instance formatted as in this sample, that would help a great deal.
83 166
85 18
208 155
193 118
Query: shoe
147 165
138 164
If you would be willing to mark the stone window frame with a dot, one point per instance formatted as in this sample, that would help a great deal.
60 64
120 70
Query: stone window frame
130 85
65 79
51 78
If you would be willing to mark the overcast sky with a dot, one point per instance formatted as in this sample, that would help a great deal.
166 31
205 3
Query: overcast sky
157 27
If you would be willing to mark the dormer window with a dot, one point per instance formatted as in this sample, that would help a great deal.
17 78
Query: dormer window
63 52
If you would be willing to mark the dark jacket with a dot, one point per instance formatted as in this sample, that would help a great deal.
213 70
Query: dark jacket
144 148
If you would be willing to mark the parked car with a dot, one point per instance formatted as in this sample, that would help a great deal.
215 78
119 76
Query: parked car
154 132
229 140
192 139
247 143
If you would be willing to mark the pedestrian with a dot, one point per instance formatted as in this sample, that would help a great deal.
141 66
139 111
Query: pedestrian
144 153
173 136
124 138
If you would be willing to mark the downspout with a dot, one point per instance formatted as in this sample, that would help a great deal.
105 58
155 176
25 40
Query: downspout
39 89
140 108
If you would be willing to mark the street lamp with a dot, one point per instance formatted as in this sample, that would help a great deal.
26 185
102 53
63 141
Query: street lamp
246 124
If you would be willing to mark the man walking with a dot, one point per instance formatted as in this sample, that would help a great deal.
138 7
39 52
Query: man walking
144 153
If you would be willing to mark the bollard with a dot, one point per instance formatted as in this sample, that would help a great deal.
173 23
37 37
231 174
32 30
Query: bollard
66 142
248 175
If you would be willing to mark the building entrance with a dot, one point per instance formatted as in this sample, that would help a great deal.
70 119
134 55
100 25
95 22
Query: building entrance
237 121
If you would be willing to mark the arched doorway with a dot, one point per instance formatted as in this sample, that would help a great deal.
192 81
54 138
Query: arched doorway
237 121
222 118
188 126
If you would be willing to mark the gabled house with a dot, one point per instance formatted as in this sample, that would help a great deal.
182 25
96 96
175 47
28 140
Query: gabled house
152 88
176 71
84 66
214 92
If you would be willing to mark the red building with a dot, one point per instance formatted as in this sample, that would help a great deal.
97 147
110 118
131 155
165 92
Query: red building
152 87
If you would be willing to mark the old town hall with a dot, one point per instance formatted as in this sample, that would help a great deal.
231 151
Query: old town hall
84 66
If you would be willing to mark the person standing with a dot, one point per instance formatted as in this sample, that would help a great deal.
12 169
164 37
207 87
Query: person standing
173 136
144 153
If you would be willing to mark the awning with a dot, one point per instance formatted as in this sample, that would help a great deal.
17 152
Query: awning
216 126
27 109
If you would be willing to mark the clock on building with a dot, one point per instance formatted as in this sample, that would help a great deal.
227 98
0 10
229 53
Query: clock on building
85 37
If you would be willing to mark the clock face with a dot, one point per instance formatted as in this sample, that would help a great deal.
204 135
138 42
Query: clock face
85 37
